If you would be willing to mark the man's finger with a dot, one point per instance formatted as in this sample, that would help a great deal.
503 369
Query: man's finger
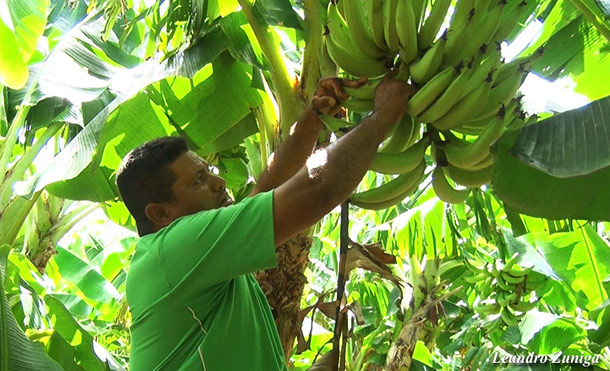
354 83
334 86
323 103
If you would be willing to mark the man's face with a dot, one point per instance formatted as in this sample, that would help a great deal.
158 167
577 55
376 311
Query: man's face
195 188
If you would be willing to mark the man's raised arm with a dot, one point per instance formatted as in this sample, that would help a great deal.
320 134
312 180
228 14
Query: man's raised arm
332 173
299 144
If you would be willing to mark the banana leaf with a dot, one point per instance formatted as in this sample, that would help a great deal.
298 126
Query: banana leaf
581 259
17 352
70 330
277 13
89 281
574 46
20 30
213 115
79 153
573 145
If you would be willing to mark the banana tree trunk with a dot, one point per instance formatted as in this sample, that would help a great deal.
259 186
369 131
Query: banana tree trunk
284 286
400 355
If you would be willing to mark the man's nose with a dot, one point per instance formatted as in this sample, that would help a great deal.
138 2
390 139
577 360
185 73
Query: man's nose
217 183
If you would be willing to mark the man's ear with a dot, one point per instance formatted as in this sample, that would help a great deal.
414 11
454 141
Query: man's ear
159 214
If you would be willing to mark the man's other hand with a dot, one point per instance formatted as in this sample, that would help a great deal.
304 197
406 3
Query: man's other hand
391 96
329 94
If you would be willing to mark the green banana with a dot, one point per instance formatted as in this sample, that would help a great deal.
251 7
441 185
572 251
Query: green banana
419 11
517 65
469 130
358 105
392 189
489 160
512 280
373 13
508 317
427 66
487 309
343 48
389 25
520 272
473 268
477 151
490 63
358 26
476 126
406 28
481 9
455 39
523 306
501 94
339 31
504 91
461 14
509 21
492 326
491 109
401 162
501 298
333 124
486 287
388 203
470 178
445 191
517 122
451 96
503 284
401 136
510 262
466 108
495 271
433 23
476 278
428 93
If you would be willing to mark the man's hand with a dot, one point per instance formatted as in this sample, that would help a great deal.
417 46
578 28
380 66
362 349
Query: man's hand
329 94
391 96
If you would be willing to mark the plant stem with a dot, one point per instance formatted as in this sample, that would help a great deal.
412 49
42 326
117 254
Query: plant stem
11 138
262 129
3 319
343 243
310 73
18 170
3 119
69 220
289 102
14 216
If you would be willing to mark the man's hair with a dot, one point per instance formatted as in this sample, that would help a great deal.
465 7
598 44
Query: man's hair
145 177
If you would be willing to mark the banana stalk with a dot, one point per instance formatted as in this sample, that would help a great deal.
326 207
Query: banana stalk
20 167
11 139
288 99
14 216
310 72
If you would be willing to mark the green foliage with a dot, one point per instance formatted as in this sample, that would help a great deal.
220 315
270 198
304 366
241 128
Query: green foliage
112 77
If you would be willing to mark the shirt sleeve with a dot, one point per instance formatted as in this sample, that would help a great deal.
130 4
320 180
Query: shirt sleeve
213 246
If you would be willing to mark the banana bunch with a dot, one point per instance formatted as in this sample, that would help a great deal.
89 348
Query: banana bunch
506 289
466 94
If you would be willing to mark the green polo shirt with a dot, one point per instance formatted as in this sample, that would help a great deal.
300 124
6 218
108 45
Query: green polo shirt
194 302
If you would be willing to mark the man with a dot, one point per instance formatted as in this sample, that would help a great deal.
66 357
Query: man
194 301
